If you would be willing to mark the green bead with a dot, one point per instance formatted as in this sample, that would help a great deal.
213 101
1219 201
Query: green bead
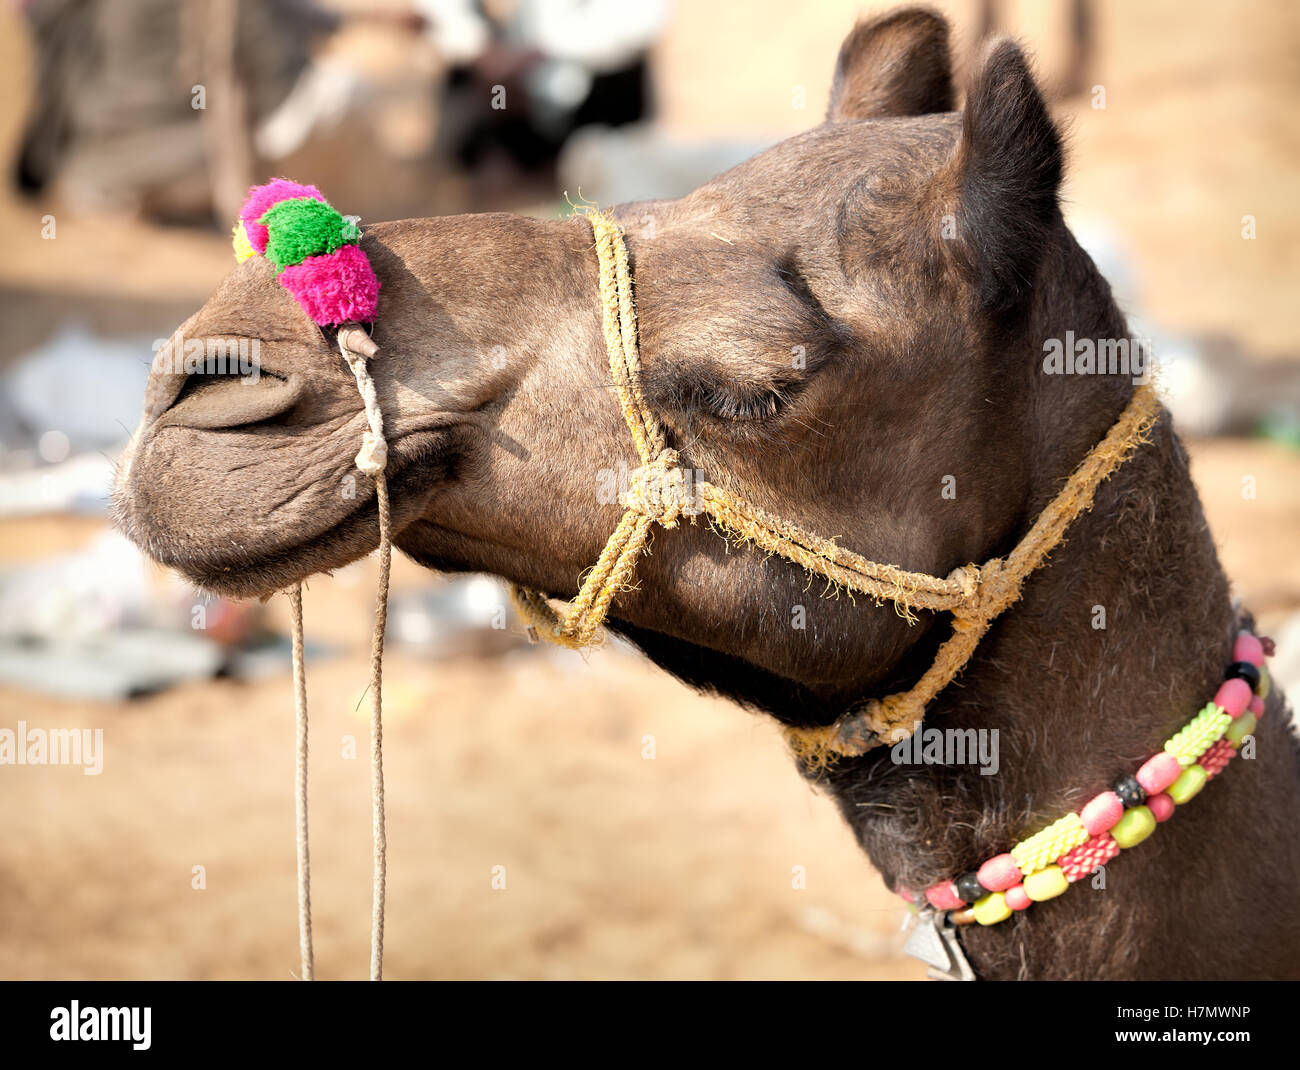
301 227
1186 786
1137 824
1265 682
1047 883
1240 729
991 909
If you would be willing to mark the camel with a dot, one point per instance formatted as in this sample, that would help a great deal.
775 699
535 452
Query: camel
850 327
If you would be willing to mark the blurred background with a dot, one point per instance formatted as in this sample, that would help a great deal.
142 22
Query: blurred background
643 831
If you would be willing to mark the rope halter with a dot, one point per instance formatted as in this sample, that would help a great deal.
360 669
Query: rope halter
659 493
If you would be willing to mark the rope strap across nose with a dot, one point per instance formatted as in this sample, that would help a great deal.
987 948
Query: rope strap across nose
659 492
356 347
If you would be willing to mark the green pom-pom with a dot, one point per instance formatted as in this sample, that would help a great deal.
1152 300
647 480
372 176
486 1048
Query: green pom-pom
301 227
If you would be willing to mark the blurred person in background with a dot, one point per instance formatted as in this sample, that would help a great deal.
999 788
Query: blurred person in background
525 74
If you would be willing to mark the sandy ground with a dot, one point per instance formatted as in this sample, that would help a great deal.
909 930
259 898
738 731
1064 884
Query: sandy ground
644 831
616 865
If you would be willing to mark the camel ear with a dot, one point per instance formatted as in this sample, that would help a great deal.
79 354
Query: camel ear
1005 173
897 64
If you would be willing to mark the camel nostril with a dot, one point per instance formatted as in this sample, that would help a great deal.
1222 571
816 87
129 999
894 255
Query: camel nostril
216 402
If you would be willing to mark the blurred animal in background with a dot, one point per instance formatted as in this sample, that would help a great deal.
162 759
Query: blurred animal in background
130 96
171 108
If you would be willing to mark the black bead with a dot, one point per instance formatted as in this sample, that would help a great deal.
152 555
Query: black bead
970 889
1130 792
1245 671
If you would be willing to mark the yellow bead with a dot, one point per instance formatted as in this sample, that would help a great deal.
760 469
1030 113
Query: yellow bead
1198 735
1043 848
1046 883
991 909
1240 729
1192 780
1265 684
1138 823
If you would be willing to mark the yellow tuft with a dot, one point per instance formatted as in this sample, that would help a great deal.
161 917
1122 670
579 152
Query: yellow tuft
243 248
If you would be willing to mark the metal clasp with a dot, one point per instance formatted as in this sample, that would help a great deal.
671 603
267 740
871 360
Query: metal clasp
934 941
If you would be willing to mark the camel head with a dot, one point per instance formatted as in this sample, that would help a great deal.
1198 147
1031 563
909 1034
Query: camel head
847 328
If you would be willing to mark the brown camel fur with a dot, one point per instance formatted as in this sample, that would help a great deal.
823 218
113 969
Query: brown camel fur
916 260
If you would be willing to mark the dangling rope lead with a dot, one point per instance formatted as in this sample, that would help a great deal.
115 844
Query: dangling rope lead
356 347
658 492
300 790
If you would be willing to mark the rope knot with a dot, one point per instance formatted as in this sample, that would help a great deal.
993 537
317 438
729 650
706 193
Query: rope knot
659 490
967 577
373 455
996 586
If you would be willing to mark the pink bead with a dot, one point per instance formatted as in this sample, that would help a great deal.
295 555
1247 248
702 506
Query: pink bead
1102 813
1215 760
1256 706
1161 806
1248 648
943 896
1017 898
1159 772
999 873
1234 696
906 893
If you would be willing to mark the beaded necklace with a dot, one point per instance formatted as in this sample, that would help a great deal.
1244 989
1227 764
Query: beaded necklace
1072 847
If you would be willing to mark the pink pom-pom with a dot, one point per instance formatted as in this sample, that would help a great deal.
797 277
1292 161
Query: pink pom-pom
1234 696
1248 648
1159 772
943 896
1161 806
1017 898
1102 813
999 873
261 198
336 287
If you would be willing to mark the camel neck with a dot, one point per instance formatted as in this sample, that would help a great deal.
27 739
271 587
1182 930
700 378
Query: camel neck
1113 646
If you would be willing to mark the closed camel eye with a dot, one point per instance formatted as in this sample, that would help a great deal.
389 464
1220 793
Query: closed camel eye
740 403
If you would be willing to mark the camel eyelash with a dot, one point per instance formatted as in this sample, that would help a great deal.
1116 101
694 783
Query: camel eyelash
728 398
737 403
729 406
